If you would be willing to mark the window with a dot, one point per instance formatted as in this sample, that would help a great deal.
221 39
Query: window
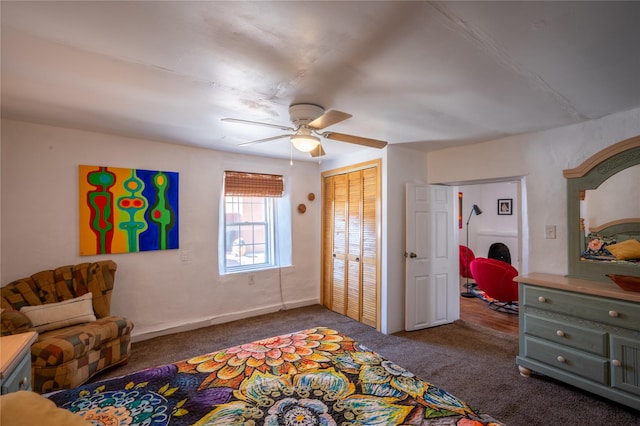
255 222
249 232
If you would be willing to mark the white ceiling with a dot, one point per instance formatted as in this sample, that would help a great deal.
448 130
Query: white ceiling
428 74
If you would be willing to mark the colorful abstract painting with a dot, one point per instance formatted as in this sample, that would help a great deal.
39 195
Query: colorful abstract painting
127 210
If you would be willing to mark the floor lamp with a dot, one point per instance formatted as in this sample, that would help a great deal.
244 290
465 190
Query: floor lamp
475 209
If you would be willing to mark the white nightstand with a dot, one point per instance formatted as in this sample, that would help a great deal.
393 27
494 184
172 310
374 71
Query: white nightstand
15 362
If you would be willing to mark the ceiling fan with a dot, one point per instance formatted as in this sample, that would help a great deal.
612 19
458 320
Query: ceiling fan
308 120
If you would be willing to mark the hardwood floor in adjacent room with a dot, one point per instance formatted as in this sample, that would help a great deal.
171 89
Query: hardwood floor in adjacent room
476 311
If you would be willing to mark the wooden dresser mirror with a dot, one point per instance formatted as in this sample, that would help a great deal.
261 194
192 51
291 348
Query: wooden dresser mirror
590 175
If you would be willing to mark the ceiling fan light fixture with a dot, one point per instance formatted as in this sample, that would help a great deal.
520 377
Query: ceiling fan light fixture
305 143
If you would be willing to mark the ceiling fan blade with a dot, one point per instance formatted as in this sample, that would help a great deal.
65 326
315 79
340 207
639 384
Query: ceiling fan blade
317 151
371 143
329 118
273 138
257 123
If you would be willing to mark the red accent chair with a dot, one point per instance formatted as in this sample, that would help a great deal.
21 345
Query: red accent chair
495 278
465 270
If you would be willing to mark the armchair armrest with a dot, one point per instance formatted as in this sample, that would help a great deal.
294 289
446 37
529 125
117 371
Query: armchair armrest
14 322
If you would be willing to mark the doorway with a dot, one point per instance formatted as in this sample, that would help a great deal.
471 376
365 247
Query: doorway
494 225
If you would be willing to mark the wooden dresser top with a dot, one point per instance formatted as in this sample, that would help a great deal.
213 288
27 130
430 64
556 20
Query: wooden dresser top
578 285
11 347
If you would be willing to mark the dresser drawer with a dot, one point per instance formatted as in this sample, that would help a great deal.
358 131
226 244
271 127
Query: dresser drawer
20 378
599 309
571 360
590 340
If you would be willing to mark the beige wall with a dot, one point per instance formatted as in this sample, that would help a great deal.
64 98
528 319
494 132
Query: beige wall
399 166
160 290
616 198
540 159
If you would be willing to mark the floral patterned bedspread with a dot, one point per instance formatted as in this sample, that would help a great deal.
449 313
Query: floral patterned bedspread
311 377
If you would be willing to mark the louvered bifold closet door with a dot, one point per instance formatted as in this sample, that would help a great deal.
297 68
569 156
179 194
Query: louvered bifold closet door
354 245
369 257
351 233
327 240
338 285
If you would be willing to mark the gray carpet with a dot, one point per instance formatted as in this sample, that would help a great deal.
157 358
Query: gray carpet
475 364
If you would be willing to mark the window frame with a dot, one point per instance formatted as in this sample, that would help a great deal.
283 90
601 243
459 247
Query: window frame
274 189
269 226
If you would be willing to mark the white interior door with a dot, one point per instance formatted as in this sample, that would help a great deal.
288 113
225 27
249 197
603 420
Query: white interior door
431 293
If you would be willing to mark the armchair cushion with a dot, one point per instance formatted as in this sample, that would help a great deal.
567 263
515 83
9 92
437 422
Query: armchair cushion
73 342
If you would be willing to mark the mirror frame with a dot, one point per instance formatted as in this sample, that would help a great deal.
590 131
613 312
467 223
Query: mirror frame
589 175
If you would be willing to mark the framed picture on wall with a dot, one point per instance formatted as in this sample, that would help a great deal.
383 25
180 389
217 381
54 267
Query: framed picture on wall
504 206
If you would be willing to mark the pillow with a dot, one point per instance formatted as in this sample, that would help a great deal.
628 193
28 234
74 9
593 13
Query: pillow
51 316
626 250
598 245
26 408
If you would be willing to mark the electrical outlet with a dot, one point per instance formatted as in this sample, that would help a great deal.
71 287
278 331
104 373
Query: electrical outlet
550 232
252 279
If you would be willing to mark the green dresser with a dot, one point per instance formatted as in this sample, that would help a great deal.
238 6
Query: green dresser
581 332
15 362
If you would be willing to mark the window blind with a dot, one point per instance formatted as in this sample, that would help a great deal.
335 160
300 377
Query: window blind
244 184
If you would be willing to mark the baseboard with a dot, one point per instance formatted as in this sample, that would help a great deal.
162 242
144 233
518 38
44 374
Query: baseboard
219 319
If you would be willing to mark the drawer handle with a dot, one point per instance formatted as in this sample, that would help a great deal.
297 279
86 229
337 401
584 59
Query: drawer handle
542 299
561 359
613 314
616 363
23 383
560 333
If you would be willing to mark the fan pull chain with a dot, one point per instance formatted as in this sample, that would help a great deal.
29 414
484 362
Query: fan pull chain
291 151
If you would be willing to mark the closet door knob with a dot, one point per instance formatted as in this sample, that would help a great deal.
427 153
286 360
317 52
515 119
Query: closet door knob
561 359
542 299
560 333
357 259
613 314
616 363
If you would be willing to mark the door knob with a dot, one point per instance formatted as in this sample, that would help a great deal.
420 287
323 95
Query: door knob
412 255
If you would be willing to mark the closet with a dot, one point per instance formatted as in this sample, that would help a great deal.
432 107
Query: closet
351 242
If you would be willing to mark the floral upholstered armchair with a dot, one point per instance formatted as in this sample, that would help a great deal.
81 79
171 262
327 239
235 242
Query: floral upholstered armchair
70 309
